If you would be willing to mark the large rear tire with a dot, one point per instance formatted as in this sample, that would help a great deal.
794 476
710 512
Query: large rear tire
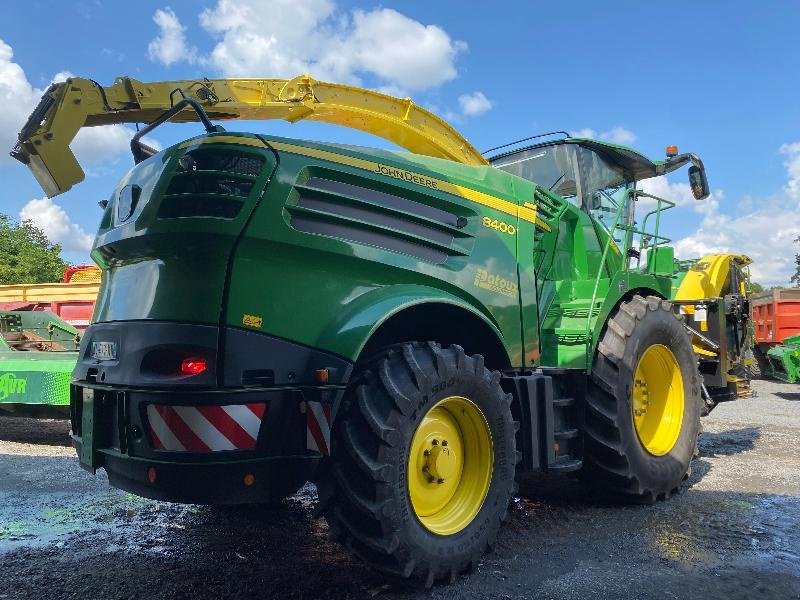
643 402
422 464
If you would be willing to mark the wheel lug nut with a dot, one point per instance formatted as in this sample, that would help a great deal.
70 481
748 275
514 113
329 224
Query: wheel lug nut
427 453
435 442
440 480
444 442
431 479
424 468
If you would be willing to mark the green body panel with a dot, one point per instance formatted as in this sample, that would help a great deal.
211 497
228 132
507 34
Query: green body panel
169 269
278 269
260 270
39 377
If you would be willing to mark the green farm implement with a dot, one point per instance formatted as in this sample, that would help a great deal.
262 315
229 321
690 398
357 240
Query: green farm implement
784 360
410 330
38 352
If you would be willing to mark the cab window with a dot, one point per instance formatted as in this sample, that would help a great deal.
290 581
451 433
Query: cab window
552 167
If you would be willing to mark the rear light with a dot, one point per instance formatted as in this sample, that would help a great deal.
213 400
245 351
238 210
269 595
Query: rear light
194 365
322 375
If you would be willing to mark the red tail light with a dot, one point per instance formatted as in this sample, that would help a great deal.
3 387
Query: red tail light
194 365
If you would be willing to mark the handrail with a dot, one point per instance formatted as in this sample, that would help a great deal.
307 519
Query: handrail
600 270
645 238
657 212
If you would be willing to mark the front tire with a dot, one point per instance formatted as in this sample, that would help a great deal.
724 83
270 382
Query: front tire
643 402
422 464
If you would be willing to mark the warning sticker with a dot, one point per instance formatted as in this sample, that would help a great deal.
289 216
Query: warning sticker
252 321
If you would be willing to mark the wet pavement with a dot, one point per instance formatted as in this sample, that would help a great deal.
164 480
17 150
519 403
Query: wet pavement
733 531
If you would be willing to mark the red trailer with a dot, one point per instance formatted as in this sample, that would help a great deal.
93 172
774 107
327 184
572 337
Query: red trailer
776 315
776 325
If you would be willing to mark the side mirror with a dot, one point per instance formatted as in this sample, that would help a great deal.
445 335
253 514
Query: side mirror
698 182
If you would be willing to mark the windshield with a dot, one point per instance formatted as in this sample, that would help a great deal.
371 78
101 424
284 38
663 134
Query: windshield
551 167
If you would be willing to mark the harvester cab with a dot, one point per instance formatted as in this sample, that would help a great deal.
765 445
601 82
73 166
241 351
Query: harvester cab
601 179
406 329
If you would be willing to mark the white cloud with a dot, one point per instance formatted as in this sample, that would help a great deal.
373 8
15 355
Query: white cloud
793 167
285 38
765 232
17 96
474 104
619 135
615 135
170 46
680 193
61 76
764 236
56 224
400 50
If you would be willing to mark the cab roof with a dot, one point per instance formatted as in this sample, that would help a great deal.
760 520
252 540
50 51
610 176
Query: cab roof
627 158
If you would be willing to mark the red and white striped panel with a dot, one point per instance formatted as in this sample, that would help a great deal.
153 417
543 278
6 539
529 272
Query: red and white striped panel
205 428
318 427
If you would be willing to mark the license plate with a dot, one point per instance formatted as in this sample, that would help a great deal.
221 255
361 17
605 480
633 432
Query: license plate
104 350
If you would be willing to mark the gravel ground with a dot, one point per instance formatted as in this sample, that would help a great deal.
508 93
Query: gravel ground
733 532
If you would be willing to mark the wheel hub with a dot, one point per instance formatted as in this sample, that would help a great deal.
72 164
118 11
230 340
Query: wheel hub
657 401
641 398
450 465
441 463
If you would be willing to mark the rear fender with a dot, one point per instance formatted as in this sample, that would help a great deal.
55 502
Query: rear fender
366 314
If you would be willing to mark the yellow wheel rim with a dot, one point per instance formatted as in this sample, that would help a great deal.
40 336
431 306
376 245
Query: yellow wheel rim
658 400
450 465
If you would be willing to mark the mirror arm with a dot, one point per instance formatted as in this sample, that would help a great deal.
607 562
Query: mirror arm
675 162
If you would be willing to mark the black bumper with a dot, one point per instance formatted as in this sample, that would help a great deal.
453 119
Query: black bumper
110 430
113 404
226 482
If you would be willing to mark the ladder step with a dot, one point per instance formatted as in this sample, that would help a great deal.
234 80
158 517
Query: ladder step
565 466
565 434
562 402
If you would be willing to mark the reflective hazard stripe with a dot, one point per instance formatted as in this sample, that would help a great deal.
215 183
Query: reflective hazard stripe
318 427
205 428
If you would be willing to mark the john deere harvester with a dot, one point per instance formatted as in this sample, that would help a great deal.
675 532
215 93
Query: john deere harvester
410 330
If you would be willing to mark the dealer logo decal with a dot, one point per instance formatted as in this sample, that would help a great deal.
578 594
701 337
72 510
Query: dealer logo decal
10 384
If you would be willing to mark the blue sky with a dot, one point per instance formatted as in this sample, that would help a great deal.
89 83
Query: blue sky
716 78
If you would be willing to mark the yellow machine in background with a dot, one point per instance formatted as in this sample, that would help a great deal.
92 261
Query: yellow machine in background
713 297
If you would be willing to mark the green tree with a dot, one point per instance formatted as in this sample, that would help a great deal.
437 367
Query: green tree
796 276
26 255
756 287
